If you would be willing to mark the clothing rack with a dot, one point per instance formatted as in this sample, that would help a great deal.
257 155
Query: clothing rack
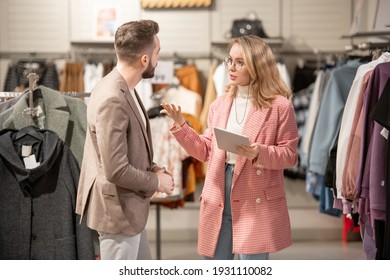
88 51
219 49
10 94
13 94
383 44
77 94
374 45
184 56
104 49
29 56
384 35
368 46
96 50
372 49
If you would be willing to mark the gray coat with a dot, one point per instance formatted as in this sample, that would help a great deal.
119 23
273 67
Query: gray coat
37 216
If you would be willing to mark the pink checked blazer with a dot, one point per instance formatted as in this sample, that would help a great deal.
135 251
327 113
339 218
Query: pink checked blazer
261 222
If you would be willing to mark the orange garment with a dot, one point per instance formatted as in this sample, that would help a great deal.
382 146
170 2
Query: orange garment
157 87
189 78
210 95
108 66
72 78
198 166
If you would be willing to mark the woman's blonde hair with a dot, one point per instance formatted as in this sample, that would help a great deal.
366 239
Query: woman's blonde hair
265 80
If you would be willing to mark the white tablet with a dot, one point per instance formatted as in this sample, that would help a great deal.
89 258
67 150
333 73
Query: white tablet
227 140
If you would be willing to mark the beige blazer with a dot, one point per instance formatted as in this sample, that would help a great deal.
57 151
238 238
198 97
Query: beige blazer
116 181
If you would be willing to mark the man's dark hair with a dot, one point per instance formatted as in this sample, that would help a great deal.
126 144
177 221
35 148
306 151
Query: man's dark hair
135 37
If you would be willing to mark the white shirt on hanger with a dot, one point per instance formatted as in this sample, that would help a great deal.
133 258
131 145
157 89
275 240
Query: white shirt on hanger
189 101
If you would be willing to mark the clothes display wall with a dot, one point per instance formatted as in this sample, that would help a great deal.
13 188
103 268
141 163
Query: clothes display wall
342 114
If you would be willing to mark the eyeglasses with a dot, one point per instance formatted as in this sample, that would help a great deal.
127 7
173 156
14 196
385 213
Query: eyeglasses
237 65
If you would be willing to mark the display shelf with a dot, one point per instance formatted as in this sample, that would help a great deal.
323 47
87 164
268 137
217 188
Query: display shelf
377 34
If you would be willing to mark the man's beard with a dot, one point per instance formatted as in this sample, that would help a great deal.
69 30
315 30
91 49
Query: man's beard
149 72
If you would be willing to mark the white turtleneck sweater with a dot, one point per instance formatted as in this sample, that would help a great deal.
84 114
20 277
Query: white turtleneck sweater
236 121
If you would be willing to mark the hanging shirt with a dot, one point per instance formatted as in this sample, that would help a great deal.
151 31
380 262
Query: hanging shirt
189 101
330 114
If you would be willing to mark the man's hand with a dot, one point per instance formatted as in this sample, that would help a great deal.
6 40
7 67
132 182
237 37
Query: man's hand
166 181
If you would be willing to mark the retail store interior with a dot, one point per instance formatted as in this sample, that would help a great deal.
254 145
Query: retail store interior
68 45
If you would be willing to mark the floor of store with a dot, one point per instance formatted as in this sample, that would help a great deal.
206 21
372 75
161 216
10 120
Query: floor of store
302 250
316 236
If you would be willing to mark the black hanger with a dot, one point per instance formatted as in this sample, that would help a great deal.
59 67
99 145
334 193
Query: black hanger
28 131
154 112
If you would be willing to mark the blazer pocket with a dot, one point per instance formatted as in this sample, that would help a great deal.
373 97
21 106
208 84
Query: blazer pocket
275 192
110 189
65 248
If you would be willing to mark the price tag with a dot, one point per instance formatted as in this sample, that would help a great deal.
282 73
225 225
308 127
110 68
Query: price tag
30 162
385 133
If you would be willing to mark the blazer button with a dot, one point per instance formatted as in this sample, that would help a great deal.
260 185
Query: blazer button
258 200
258 172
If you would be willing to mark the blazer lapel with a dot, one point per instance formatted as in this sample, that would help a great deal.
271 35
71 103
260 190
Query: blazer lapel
220 119
145 130
148 135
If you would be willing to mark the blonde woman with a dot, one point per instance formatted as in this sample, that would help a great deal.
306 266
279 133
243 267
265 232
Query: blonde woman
243 203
